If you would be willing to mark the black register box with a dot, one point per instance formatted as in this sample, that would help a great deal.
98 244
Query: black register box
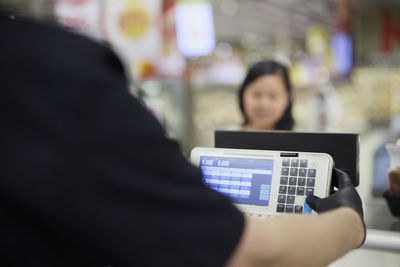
343 147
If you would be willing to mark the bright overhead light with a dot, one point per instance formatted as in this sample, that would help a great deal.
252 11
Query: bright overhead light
195 28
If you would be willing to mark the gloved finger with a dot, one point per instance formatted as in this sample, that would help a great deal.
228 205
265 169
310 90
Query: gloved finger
342 178
333 190
313 201
334 182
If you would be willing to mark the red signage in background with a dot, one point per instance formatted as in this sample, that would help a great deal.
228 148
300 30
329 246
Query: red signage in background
170 64
344 16
73 2
390 31
133 28
83 16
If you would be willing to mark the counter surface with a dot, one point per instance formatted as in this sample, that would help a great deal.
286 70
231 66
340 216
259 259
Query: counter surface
383 229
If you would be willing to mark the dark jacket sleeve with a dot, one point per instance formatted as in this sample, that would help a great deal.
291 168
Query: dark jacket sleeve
88 172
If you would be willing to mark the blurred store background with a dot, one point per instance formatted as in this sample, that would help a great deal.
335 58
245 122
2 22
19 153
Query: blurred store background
188 57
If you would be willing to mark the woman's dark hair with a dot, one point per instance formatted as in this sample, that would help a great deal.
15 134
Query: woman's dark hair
266 68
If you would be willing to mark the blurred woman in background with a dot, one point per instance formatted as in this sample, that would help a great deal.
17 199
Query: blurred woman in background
265 98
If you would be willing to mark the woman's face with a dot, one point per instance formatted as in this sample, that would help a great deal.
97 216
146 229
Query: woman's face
264 101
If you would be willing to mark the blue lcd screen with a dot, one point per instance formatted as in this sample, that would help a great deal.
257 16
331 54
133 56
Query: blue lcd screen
245 181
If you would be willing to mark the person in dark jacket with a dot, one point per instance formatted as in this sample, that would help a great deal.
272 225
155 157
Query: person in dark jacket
89 178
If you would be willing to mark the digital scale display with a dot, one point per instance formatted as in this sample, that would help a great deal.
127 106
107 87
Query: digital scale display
245 181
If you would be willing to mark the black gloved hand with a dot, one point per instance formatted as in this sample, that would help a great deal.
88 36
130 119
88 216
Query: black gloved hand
346 196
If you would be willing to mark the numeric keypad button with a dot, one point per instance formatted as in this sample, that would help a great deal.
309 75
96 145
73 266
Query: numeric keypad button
303 172
282 189
292 190
303 163
301 181
310 182
290 199
285 171
289 209
295 163
300 191
286 162
280 208
312 173
309 191
298 209
281 199
292 181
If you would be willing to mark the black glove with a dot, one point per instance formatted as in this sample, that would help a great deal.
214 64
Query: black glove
346 196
